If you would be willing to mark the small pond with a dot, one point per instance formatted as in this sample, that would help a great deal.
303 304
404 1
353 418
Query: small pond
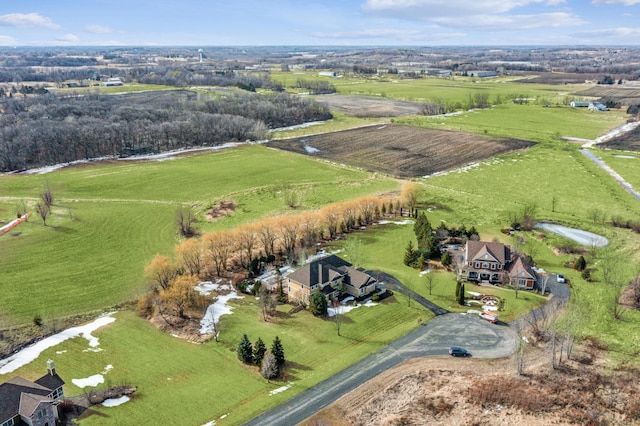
584 238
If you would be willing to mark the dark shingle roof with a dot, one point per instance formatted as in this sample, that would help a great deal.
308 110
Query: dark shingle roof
51 381
320 271
12 392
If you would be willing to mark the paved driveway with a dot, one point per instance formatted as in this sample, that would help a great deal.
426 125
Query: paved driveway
481 338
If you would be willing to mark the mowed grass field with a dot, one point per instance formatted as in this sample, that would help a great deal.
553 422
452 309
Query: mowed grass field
110 220
455 89
530 122
207 381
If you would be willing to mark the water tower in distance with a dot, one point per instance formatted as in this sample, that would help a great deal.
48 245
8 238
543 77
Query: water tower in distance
201 56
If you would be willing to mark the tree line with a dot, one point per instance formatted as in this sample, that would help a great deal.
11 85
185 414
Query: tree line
49 129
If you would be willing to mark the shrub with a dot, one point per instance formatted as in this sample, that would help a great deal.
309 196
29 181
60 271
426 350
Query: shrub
318 304
580 264
245 350
446 258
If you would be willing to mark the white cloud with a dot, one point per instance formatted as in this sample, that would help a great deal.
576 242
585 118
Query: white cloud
513 22
27 20
428 9
70 38
624 2
399 35
7 41
97 29
609 33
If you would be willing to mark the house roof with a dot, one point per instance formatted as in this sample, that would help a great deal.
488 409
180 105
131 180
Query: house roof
519 269
29 403
482 250
51 381
358 279
319 271
14 401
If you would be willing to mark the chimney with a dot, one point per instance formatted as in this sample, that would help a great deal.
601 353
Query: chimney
51 368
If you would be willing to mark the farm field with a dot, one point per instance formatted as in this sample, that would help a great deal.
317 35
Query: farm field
401 150
368 106
208 381
626 142
112 219
455 89
626 94
530 122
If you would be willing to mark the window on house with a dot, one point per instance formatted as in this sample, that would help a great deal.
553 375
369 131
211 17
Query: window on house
42 413
522 282
471 264
493 266
485 265
499 266
477 264
8 423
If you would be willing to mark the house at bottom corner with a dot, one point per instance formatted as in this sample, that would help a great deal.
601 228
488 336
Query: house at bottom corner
23 402
329 275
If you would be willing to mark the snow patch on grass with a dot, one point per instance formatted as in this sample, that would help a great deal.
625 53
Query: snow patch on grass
114 402
281 389
92 381
30 353
216 310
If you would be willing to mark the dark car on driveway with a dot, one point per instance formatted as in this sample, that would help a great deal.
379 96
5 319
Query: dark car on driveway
454 351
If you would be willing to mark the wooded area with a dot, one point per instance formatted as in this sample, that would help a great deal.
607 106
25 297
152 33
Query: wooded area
50 129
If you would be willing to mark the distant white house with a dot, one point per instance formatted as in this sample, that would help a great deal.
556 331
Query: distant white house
328 74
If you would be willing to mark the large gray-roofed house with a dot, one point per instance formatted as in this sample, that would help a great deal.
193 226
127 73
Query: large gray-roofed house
328 275
23 402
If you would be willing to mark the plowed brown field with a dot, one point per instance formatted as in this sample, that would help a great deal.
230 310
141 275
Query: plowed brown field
402 151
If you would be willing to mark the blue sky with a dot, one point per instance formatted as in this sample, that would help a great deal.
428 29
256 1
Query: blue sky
330 22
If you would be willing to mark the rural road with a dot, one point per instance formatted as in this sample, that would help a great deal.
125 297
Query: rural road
482 339
434 338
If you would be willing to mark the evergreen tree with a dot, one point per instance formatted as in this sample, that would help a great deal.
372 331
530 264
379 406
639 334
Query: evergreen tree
269 368
245 350
446 259
410 255
461 295
581 264
421 262
259 349
383 210
278 352
318 304
458 284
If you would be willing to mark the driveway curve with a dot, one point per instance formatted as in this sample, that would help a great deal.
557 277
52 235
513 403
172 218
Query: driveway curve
482 339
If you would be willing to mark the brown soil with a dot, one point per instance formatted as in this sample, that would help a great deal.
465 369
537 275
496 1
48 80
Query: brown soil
220 210
403 151
368 106
185 328
445 391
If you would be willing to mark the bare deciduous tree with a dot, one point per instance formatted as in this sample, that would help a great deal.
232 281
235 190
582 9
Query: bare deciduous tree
43 210
186 220
430 281
47 196
338 315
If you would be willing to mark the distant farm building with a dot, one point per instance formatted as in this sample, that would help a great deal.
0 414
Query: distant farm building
593 106
438 72
482 74
112 82
328 74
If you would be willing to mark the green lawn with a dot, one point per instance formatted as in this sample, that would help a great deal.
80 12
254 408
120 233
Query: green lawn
110 220
378 244
625 163
456 89
208 381
530 122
